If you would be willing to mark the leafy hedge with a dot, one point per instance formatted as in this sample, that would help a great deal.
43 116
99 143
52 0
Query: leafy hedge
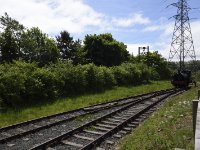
23 83
131 74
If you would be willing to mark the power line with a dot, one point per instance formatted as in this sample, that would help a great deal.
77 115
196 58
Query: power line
182 44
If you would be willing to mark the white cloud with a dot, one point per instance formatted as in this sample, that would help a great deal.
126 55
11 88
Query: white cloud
196 37
136 18
163 43
52 16
75 16
166 37
153 28
159 25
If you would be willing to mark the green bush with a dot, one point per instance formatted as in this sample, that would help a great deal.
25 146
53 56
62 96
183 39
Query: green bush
155 75
25 83
131 74
134 73
22 83
12 86
72 78
109 78
82 78
12 82
196 76
120 75
146 72
94 77
42 84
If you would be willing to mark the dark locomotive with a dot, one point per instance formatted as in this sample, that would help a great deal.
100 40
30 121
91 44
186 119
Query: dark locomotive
182 78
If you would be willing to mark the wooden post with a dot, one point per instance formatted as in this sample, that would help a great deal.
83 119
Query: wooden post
198 94
194 114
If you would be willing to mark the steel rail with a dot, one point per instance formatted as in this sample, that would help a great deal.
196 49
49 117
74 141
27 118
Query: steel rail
64 120
121 125
71 111
69 133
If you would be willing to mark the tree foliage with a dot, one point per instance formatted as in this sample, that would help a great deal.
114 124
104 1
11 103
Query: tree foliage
22 83
157 62
70 49
66 67
104 50
17 42
65 44
10 38
38 47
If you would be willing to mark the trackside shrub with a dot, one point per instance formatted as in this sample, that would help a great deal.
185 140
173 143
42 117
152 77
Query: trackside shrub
12 82
22 83
109 78
131 74
26 83
155 75
120 75
134 73
146 73
95 77
72 78
12 86
42 84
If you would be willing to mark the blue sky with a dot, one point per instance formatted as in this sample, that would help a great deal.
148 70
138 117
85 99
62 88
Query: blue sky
134 22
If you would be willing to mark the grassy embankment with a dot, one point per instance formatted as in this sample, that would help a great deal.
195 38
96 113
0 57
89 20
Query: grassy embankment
61 105
166 129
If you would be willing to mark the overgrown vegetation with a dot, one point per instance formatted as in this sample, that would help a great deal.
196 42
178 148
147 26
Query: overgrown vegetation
35 67
23 83
168 128
37 70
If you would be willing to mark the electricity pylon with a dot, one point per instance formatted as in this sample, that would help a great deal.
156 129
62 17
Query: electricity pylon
182 44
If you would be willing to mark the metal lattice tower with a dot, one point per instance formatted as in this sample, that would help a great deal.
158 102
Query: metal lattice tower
182 44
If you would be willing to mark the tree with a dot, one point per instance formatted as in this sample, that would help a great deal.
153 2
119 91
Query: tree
157 62
77 53
173 65
38 47
104 50
64 43
10 38
70 49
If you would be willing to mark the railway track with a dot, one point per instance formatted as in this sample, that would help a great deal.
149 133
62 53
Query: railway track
35 125
84 128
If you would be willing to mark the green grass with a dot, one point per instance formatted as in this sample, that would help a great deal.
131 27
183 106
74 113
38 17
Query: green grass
166 129
15 116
